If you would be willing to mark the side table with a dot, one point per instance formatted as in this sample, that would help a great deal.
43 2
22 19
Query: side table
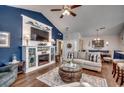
21 66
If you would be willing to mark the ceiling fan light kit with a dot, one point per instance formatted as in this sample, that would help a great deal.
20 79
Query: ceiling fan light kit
66 12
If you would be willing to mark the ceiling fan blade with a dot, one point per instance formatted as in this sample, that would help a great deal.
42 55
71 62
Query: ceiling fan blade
75 6
102 27
56 10
62 16
72 13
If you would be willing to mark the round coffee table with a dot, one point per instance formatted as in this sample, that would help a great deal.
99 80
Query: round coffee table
70 72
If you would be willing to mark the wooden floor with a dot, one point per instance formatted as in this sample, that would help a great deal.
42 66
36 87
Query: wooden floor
29 79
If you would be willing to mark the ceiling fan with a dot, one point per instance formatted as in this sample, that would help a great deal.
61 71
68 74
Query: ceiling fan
67 10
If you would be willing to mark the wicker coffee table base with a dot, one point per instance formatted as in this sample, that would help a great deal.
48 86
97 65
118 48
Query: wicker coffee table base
70 76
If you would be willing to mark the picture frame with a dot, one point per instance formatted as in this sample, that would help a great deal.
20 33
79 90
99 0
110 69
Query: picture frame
4 39
98 44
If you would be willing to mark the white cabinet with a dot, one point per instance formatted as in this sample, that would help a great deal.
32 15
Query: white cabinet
37 57
29 55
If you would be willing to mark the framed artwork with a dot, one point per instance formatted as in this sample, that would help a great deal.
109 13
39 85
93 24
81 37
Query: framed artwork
98 44
4 39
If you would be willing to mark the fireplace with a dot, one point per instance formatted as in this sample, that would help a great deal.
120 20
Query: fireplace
43 59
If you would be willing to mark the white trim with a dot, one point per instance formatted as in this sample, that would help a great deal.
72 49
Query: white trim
31 19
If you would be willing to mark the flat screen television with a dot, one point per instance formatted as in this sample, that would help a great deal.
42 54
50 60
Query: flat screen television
39 35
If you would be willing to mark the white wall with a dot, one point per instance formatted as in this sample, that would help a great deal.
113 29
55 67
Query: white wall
73 39
114 42
122 40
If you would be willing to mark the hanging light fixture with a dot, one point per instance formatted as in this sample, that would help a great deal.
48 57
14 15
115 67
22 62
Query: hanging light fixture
97 39
97 42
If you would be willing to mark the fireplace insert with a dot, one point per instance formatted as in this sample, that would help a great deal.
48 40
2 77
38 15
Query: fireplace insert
43 59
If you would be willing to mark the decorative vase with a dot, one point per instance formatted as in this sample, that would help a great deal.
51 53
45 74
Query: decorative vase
14 58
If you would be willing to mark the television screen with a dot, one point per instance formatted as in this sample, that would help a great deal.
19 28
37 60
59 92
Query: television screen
39 35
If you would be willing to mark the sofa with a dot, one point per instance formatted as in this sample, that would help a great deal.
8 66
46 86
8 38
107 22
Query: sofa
8 75
88 60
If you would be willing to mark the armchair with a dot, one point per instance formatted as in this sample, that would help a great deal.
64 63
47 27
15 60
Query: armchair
8 75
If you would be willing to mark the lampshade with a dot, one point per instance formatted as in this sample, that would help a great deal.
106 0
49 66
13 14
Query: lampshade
107 43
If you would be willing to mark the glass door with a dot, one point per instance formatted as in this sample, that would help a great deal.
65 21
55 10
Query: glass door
32 57
53 54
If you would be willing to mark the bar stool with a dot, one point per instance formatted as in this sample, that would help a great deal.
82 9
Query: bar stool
114 70
120 72
114 63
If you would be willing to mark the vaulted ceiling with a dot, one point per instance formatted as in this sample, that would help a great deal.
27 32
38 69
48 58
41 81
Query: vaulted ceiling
88 19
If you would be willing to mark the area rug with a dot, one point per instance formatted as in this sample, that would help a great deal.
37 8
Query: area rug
53 79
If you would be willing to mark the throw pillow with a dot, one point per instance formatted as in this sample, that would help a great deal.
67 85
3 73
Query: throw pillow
75 55
89 57
92 58
98 58
86 56
78 55
95 58
81 55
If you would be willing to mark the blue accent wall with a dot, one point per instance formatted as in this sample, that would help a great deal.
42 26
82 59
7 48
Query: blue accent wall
11 21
